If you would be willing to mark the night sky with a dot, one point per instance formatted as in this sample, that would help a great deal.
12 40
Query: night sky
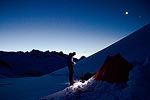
83 26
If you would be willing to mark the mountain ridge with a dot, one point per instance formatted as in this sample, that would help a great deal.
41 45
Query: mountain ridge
31 64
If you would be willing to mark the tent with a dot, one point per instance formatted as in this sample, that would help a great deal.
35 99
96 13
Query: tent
114 69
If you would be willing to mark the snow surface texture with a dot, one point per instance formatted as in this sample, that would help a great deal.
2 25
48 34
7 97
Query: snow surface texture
137 88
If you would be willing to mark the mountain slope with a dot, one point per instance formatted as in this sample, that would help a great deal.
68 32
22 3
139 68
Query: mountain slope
134 48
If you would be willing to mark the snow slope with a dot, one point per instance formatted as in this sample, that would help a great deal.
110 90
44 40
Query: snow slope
134 48
137 88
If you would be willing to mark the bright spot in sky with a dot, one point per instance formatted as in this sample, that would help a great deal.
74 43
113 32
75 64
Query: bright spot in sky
126 12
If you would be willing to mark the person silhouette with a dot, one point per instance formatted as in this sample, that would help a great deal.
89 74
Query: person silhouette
70 67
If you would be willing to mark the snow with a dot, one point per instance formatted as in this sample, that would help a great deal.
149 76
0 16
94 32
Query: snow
137 88
30 88
54 86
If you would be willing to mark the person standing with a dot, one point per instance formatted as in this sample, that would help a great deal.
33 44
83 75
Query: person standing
70 67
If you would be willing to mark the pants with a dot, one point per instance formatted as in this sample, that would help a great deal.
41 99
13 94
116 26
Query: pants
71 75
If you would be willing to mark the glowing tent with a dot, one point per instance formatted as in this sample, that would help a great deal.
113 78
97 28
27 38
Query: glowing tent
114 69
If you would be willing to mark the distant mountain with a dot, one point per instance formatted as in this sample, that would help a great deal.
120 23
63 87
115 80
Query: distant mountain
34 63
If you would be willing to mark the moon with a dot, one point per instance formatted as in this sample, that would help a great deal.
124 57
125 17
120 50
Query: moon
126 12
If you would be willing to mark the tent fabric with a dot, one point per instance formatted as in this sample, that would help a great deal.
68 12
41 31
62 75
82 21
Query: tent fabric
114 69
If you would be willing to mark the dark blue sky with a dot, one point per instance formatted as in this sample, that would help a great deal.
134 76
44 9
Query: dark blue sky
84 26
